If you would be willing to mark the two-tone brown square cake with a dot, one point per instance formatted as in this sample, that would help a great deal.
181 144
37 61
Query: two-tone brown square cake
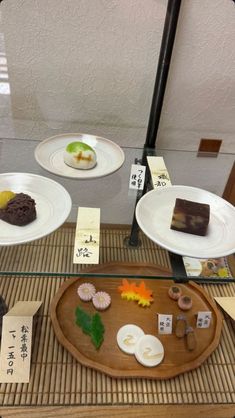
190 217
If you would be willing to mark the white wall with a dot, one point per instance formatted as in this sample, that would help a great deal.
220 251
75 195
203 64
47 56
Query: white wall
83 61
200 96
92 64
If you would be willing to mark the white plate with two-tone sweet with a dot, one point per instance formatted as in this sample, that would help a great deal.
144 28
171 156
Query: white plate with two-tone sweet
53 206
49 155
154 213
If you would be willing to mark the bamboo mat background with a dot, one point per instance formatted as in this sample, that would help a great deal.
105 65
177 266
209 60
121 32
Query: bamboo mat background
57 379
54 253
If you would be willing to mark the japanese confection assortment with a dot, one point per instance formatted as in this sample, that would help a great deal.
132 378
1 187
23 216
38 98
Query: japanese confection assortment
131 339
20 208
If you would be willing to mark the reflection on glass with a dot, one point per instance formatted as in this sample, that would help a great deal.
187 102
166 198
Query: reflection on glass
4 83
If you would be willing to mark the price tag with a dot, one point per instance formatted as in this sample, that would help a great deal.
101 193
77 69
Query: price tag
137 177
16 342
159 174
203 319
165 324
87 236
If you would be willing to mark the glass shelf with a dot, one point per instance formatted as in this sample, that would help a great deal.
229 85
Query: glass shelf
53 254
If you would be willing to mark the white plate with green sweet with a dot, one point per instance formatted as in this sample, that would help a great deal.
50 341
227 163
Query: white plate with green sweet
50 155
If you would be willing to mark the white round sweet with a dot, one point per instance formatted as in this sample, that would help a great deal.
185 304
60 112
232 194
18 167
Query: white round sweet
80 155
149 351
128 336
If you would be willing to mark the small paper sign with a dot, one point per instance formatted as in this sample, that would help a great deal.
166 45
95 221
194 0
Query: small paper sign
16 343
159 174
203 319
87 236
165 324
137 177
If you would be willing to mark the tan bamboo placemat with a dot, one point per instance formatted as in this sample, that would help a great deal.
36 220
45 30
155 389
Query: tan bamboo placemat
57 379
54 253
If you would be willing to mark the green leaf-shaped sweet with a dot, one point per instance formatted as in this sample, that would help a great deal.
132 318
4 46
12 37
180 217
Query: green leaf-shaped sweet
83 320
97 330
78 146
91 325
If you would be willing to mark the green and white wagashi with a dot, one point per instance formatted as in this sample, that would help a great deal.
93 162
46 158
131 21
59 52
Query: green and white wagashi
80 155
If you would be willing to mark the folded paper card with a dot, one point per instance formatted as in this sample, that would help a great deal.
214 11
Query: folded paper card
159 174
17 328
87 236
228 305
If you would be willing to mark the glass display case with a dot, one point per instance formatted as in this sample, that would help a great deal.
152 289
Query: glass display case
117 203
80 68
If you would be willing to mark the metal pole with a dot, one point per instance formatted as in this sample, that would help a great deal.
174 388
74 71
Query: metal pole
168 37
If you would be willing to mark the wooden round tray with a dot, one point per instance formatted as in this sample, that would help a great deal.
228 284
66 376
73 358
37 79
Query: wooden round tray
109 358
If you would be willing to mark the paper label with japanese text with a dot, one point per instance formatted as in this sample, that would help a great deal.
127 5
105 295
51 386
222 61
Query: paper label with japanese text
87 236
137 177
159 174
203 319
165 323
16 344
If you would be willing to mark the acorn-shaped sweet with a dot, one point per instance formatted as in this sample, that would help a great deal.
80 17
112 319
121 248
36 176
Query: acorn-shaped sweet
185 302
174 292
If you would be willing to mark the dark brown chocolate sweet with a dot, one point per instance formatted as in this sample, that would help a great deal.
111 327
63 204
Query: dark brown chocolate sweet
20 210
190 217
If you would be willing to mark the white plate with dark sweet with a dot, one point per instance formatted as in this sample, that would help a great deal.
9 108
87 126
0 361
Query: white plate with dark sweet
30 222
50 154
154 213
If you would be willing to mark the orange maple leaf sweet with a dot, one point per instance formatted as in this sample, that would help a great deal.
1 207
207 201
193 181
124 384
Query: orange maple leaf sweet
144 295
128 290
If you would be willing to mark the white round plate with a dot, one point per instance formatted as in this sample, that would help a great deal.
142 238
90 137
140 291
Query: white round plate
128 336
154 213
149 351
49 154
53 206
